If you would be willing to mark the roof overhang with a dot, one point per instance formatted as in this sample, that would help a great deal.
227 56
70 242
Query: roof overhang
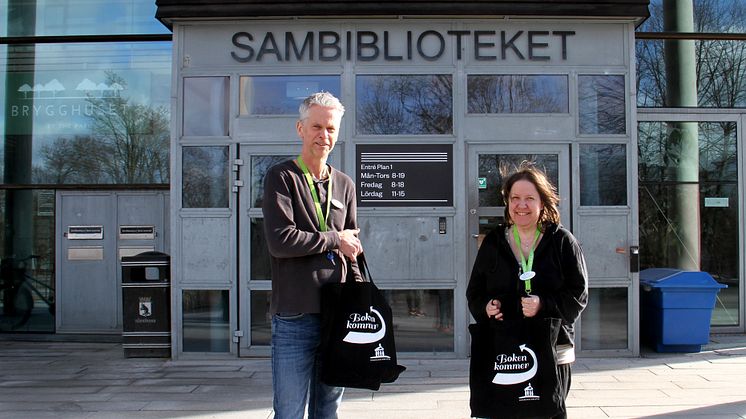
172 10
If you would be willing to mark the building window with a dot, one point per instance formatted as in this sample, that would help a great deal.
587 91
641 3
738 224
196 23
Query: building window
261 319
79 17
494 168
604 322
697 68
206 322
259 167
603 174
495 94
689 199
601 106
206 106
86 113
404 104
205 177
720 67
281 95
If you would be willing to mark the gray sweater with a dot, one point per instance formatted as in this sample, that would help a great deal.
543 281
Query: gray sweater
298 249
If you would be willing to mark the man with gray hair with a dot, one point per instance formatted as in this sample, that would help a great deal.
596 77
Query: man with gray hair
310 224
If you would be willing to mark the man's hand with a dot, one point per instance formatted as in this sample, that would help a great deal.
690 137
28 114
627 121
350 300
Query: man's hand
349 244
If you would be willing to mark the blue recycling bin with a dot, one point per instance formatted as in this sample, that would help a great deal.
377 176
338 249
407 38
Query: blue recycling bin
676 308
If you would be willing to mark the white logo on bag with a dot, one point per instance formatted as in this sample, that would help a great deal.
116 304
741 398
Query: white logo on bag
528 394
504 364
380 355
365 322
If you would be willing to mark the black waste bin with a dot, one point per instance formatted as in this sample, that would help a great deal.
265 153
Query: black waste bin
676 308
146 305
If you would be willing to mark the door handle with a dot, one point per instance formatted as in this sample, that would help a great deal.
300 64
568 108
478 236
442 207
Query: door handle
475 236
634 259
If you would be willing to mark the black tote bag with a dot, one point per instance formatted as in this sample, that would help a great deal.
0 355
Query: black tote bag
513 369
357 334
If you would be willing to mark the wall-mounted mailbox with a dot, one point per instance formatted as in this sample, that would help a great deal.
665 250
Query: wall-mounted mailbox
136 232
85 232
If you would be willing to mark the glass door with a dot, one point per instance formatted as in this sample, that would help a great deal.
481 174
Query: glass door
255 283
489 165
595 204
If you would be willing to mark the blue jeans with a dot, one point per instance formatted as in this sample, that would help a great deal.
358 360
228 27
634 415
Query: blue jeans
296 369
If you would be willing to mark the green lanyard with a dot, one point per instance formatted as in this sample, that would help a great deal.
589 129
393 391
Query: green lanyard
316 201
526 265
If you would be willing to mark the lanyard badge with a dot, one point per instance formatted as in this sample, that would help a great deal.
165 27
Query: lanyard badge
317 203
526 273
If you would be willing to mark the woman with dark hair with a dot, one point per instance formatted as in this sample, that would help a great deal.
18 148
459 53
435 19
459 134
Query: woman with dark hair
531 266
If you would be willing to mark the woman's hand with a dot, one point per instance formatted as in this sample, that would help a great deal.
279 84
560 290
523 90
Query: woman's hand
493 309
530 305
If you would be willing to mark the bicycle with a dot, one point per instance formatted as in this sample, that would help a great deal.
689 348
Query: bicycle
18 289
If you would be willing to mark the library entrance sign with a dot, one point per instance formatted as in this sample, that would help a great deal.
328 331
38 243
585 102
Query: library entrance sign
404 175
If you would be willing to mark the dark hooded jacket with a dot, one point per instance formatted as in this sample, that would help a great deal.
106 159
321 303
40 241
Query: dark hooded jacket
561 280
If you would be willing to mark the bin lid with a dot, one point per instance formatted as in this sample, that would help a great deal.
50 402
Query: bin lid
668 277
148 257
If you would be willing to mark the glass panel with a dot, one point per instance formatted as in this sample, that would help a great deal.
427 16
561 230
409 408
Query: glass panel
261 320
486 225
206 323
78 17
259 167
604 321
205 177
603 174
400 104
601 104
423 318
674 231
281 95
493 167
720 16
86 113
27 292
517 94
719 81
260 262
206 106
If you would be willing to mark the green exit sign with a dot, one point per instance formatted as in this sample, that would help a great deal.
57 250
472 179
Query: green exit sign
482 182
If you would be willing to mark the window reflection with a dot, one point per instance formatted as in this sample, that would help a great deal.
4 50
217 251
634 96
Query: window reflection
261 320
281 95
75 114
27 288
206 106
260 262
517 94
259 167
80 17
718 63
603 174
205 177
206 321
423 318
669 200
404 104
601 104
605 319
494 167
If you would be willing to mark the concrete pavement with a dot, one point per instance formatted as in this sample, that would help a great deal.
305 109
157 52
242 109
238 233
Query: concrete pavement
94 380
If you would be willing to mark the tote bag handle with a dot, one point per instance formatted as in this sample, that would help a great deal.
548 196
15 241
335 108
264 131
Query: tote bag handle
362 264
